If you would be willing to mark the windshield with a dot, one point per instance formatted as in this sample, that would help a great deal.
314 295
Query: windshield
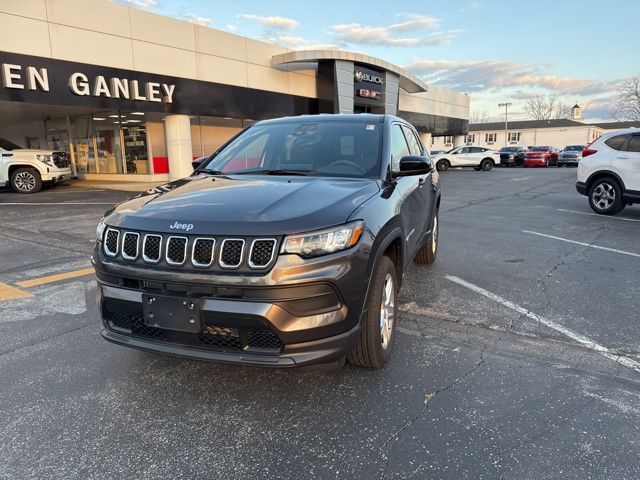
323 148
508 149
7 145
538 149
573 148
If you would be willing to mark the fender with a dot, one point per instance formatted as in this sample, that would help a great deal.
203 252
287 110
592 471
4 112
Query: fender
388 234
604 173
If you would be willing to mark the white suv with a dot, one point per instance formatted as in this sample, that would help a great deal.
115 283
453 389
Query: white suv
26 169
609 172
480 158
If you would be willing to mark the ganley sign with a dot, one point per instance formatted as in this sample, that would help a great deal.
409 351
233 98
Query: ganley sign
37 79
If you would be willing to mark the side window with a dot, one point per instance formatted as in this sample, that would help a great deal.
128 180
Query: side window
398 147
619 142
464 150
477 150
414 145
634 144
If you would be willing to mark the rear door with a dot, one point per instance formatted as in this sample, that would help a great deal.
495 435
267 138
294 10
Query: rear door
628 163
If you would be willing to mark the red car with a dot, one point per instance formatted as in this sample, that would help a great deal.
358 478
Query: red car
541 157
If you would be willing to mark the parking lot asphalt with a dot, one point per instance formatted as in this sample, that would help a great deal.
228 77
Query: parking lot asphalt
518 356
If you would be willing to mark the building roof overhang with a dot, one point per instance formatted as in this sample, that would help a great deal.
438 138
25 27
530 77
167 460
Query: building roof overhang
408 81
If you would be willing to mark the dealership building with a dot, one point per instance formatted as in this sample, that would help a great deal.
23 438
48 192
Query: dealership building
134 95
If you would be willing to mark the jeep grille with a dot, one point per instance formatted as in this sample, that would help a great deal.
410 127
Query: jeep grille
191 251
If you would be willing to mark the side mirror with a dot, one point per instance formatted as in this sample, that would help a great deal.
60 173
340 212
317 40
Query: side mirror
414 165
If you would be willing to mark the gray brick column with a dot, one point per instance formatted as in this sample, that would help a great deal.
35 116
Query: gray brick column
391 92
343 81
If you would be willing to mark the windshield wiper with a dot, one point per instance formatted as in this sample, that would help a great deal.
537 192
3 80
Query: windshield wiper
208 171
275 171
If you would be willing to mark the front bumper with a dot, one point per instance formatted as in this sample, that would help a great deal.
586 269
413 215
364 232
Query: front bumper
57 175
535 162
299 313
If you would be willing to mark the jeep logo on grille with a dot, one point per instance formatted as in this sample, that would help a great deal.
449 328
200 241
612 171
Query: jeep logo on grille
187 227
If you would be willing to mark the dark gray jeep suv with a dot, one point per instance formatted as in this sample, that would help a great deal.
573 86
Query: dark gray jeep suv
286 247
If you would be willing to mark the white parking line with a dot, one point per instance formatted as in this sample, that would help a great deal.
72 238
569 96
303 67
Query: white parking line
581 339
604 217
590 245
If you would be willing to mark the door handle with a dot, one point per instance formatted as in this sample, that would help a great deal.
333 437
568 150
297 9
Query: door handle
622 158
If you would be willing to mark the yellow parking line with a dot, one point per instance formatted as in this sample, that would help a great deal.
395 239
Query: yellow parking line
7 292
54 278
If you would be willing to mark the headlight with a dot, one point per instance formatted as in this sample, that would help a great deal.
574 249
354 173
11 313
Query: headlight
100 230
44 158
323 242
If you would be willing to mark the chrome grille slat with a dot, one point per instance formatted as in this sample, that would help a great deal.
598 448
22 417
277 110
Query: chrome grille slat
262 249
216 253
201 247
230 257
111 242
152 248
130 245
176 251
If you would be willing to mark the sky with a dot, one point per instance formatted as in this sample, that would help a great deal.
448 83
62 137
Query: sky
494 50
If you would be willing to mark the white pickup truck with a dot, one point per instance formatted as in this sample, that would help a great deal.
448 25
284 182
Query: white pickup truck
26 170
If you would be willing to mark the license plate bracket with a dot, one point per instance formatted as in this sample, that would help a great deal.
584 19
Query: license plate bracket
172 313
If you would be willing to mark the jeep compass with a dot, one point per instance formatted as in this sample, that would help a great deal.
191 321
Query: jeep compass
286 247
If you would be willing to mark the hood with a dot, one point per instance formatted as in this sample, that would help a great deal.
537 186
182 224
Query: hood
33 151
244 205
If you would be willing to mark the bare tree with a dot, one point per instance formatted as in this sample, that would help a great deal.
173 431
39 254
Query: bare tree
546 107
479 117
628 103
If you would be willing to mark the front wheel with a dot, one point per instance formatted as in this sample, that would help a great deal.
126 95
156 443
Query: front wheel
486 164
378 332
26 180
605 196
443 165
427 254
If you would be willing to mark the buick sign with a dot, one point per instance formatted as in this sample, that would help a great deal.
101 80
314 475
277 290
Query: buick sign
360 76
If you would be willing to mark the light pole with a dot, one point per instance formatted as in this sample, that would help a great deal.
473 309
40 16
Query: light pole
506 124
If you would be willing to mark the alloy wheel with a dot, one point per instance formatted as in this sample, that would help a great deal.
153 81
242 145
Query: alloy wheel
387 311
25 181
603 196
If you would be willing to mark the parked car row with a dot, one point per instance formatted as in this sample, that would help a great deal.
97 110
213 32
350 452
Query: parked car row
540 156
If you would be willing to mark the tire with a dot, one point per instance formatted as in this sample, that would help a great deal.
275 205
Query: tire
373 349
486 164
427 254
605 196
26 180
443 165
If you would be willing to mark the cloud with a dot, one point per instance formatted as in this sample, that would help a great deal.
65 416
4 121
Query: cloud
367 35
193 18
415 22
476 76
299 43
471 6
275 22
409 32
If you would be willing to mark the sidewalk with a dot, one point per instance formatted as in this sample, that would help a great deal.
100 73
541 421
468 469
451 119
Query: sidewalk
113 185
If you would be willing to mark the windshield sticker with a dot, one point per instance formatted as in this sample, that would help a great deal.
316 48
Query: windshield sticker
371 127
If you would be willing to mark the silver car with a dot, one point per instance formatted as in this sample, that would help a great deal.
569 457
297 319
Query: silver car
570 155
